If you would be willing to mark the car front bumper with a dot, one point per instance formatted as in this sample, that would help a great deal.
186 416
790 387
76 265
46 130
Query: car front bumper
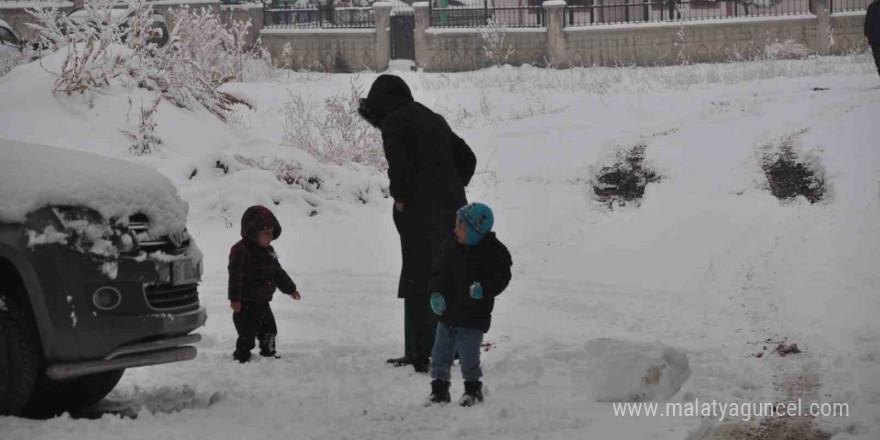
161 351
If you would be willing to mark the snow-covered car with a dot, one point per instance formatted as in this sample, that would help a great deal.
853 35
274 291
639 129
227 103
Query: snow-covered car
10 43
12 46
97 274
123 15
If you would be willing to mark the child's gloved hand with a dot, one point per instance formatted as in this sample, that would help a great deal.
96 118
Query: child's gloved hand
438 303
476 291
235 305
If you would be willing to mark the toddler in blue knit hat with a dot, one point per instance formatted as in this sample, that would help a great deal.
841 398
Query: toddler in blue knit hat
472 270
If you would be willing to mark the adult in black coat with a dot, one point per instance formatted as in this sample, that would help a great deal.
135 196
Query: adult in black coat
428 166
872 30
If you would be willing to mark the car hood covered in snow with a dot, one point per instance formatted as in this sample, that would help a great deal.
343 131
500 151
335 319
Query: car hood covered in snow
34 176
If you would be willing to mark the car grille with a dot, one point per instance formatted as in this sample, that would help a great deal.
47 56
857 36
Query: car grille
139 225
168 298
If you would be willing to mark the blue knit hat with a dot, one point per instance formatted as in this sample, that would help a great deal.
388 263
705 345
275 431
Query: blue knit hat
478 220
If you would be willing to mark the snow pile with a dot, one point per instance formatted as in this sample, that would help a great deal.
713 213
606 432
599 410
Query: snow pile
624 371
283 176
196 149
788 49
9 58
33 176
709 261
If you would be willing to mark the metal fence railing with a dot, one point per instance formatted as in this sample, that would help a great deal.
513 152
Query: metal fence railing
848 5
477 17
599 12
47 2
281 16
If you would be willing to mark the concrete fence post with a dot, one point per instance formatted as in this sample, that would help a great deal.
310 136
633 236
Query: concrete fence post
822 45
423 22
555 10
383 35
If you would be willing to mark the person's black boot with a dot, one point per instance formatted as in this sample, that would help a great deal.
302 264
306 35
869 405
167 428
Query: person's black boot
439 391
269 354
401 361
241 357
421 364
473 393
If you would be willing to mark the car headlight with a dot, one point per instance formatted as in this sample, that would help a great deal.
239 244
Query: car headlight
92 233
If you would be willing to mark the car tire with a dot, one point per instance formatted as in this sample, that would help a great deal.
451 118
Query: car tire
53 397
20 358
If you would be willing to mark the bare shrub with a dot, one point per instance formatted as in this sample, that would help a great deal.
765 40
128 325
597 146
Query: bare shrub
789 174
788 49
624 180
332 133
288 171
494 48
144 138
92 61
200 57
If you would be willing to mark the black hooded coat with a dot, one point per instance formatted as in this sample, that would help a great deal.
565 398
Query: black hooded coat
428 167
872 24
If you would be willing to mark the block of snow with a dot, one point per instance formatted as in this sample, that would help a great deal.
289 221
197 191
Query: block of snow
626 371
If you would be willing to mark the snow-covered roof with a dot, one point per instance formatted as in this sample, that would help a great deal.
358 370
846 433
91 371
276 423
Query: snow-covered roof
467 4
398 6
34 176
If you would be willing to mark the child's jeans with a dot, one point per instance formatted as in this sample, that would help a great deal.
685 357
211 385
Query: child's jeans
255 320
466 341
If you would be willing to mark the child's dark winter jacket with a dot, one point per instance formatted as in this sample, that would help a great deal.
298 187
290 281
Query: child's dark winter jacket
460 266
254 271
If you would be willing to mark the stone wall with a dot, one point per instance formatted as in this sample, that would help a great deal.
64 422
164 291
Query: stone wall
671 43
848 32
458 50
333 50
324 50
641 44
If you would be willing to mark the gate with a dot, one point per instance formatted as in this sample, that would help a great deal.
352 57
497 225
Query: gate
403 26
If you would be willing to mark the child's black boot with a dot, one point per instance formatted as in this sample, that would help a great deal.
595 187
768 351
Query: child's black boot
439 391
267 346
473 393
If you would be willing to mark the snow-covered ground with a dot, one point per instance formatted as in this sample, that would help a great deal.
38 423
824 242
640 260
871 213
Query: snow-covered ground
710 264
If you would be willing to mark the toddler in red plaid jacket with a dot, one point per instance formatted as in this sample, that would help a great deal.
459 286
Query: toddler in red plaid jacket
254 273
